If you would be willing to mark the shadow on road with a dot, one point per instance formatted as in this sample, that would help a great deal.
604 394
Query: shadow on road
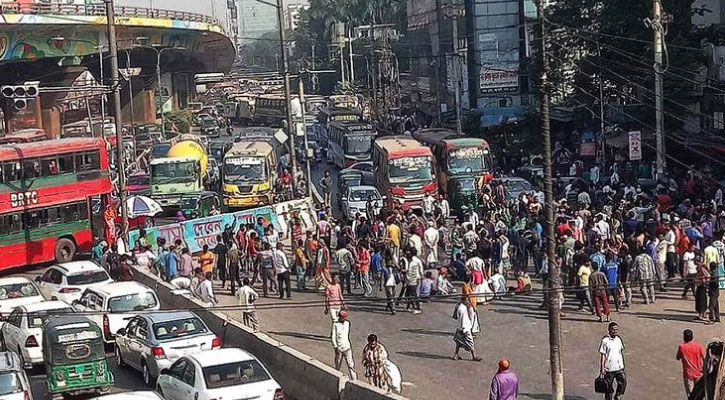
419 354
545 396
300 335
427 332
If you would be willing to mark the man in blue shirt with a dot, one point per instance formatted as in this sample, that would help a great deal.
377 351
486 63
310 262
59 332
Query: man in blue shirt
172 262
611 269
376 268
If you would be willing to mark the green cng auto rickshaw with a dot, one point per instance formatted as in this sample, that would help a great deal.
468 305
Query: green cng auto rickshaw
200 205
74 356
463 192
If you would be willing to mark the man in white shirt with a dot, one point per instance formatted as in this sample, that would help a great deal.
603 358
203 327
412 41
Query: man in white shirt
611 366
431 236
690 269
464 333
428 201
341 344
446 207
415 242
281 267
413 277
247 296
206 291
603 226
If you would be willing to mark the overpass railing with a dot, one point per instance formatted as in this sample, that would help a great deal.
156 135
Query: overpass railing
100 10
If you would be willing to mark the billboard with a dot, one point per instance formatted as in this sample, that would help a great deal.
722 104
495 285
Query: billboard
498 81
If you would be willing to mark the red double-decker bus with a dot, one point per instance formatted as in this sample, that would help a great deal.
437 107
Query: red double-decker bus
45 199
403 170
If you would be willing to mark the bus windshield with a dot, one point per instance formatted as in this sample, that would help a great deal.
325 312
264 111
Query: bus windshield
174 173
467 160
242 170
408 169
358 144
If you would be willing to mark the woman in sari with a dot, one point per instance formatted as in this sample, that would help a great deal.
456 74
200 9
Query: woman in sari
322 271
374 357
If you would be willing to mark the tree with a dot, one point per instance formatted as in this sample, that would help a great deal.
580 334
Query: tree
607 38
264 52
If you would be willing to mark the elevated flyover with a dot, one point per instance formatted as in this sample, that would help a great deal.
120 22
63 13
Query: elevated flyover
54 43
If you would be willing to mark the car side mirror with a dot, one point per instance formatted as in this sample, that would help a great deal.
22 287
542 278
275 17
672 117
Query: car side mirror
164 371
121 332
37 279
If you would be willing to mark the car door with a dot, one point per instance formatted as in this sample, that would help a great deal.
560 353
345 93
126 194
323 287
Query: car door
50 283
11 330
170 384
122 342
139 343
187 386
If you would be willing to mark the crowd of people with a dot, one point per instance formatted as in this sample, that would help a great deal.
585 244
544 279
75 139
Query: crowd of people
614 236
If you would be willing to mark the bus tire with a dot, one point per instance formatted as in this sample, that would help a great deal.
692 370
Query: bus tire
65 250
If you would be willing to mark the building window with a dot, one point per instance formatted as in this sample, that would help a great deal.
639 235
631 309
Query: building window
717 120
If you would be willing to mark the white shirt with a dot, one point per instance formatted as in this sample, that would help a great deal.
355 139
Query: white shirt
431 237
688 259
247 296
415 271
613 350
498 283
603 228
206 292
272 239
417 243
145 259
464 320
446 208
428 204
475 263
281 265
670 239
341 336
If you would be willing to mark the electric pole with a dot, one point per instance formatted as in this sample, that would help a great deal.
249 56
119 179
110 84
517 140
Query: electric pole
115 86
455 61
553 283
307 145
374 67
659 32
291 131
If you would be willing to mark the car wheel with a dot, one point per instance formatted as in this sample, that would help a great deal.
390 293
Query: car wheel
147 379
119 358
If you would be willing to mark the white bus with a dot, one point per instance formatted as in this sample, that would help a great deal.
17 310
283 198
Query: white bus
350 142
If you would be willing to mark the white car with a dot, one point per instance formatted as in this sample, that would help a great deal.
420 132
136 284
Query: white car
138 395
152 342
355 200
365 167
14 383
23 330
68 281
111 305
16 292
223 374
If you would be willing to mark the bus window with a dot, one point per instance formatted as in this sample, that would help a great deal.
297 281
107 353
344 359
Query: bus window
65 164
87 162
30 169
48 166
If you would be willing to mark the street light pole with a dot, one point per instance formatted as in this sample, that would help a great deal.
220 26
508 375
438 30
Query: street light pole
287 95
307 145
115 83
130 87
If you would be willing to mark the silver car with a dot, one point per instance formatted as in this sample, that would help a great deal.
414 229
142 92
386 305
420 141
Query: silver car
152 342
355 200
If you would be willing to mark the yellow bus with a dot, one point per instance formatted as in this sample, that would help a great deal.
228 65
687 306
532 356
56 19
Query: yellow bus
249 173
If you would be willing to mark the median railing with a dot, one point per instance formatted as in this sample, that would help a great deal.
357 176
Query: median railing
100 10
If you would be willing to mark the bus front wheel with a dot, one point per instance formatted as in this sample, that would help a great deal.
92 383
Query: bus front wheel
65 249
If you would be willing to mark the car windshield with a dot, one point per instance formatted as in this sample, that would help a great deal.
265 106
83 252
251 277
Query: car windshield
234 374
10 383
88 277
36 319
519 186
243 170
132 302
160 150
139 180
358 144
179 328
467 160
363 195
409 169
17 290
466 185
174 173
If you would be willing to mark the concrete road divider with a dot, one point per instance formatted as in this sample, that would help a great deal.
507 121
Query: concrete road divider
301 376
